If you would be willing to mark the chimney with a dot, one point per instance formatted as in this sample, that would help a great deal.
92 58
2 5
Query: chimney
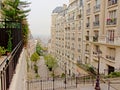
64 6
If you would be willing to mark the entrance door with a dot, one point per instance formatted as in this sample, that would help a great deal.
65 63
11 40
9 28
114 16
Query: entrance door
110 69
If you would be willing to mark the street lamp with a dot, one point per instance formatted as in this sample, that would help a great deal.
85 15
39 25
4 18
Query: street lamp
65 75
97 86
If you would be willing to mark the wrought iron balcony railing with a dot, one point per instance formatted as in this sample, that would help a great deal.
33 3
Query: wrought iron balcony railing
111 21
110 57
95 38
112 2
96 23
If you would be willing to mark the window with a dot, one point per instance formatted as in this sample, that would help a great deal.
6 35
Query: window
97 2
96 33
111 53
81 3
110 35
97 17
112 14
89 6
87 33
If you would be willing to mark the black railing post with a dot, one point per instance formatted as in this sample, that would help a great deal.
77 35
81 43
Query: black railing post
108 85
1 80
27 85
53 80
84 79
41 84
7 74
76 82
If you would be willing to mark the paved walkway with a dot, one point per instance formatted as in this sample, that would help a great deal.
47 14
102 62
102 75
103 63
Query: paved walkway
42 69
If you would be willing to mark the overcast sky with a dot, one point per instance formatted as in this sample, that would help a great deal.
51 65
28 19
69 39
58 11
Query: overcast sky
39 18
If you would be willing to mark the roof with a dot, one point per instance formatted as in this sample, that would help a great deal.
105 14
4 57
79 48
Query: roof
57 10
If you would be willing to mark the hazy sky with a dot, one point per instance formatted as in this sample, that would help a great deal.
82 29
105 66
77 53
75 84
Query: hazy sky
40 16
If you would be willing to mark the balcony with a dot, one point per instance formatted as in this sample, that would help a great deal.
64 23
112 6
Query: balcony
88 0
73 48
110 40
95 38
79 28
72 38
88 11
79 50
95 53
87 51
87 25
112 2
79 39
111 21
96 23
87 38
110 57
97 8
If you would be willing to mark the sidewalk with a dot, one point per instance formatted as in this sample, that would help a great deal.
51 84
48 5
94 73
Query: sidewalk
90 87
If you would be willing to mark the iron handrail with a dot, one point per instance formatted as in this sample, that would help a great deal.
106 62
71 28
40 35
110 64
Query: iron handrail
15 49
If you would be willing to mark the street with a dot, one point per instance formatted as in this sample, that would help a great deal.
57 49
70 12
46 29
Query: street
42 69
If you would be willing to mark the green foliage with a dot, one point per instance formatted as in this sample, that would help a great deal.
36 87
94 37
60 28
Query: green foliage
35 68
2 51
91 69
113 75
12 10
39 49
34 57
63 75
25 31
50 61
37 75
9 45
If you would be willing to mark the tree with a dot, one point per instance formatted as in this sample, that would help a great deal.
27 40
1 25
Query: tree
39 49
50 61
13 10
35 57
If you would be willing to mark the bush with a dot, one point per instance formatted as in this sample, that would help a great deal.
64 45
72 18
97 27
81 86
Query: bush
2 51
35 57
113 75
91 69
63 75
36 68
39 49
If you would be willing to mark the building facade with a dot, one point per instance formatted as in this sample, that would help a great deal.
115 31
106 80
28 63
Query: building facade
85 30
101 32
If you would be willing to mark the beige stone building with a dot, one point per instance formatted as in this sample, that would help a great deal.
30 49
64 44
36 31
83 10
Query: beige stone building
66 32
101 32
83 28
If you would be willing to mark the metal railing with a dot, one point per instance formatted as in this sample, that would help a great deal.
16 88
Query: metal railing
8 66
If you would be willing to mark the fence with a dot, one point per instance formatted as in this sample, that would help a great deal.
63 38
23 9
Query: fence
59 83
51 84
16 33
7 67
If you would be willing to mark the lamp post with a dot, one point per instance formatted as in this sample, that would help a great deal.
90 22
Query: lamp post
97 86
65 75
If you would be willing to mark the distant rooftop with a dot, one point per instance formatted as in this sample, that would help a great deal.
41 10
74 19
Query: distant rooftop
58 10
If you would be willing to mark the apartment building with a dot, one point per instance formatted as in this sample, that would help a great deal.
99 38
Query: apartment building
87 32
66 35
101 32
